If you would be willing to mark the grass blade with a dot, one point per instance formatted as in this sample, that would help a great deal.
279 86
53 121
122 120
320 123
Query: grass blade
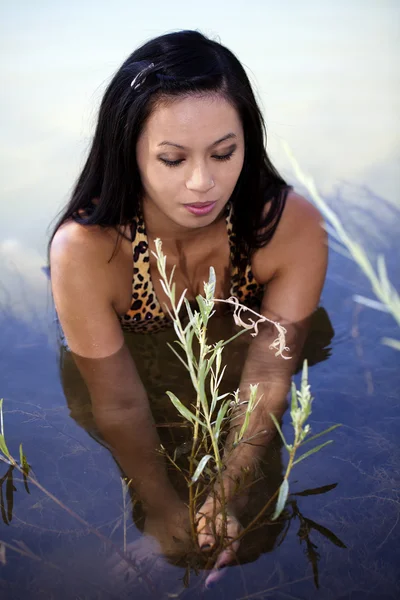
303 456
317 435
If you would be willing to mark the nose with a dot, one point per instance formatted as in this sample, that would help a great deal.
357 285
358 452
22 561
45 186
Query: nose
200 180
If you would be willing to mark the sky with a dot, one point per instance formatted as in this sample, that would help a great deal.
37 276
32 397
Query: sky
325 72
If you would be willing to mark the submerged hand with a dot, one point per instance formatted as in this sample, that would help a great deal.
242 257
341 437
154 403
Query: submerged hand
166 534
213 531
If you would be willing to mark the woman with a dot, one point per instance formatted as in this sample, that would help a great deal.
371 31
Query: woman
178 154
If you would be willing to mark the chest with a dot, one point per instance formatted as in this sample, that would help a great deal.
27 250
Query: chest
191 263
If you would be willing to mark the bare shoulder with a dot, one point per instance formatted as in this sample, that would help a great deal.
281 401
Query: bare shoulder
299 237
74 241
299 215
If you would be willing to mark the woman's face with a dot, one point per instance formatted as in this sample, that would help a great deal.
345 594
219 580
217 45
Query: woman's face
190 155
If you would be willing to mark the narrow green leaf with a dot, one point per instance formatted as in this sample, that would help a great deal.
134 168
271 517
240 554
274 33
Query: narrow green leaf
203 309
200 467
180 302
282 497
171 277
279 430
3 446
181 408
220 417
211 284
189 333
189 311
23 461
303 456
304 374
294 398
217 399
249 410
317 435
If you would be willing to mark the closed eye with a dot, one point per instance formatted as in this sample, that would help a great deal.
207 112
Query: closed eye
176 163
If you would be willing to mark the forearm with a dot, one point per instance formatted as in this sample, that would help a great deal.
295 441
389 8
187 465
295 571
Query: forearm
134 442
123 417
273 375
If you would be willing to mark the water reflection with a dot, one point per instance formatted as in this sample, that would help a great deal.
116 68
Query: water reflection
159 370
358 385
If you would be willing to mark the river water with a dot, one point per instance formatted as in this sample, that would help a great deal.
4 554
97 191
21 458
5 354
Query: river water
341 535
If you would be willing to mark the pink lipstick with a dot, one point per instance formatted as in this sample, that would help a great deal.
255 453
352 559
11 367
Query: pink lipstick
200 208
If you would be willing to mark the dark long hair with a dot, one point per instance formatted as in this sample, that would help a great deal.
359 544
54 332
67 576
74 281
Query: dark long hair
175 64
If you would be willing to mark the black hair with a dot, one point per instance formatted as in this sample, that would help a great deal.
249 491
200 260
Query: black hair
175 64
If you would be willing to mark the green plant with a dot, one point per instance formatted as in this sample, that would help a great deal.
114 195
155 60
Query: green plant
389 298
300 410
213 411
24 468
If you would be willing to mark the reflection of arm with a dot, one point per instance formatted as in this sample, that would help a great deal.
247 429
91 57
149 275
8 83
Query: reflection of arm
83 283
292 293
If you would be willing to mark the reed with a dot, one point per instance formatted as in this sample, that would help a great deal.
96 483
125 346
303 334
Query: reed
385 292
212 412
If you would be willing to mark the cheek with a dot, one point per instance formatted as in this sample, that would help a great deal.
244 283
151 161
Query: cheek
163 180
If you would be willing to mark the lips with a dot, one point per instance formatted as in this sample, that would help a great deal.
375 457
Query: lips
200 208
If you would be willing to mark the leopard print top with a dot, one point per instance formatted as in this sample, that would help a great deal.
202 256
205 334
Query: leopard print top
146 314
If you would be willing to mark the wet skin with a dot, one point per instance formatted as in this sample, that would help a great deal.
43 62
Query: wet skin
90 292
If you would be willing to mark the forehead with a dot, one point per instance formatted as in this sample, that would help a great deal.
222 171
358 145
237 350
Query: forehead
192 120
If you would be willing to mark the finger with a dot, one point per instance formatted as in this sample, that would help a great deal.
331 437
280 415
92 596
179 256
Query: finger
225 558
205 537
214 577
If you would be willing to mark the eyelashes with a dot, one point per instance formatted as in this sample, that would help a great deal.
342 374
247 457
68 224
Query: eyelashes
176 163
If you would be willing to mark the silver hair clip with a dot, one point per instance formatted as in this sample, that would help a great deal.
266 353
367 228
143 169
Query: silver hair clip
141 76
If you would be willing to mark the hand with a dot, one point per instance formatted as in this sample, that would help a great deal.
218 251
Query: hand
166 534
213 531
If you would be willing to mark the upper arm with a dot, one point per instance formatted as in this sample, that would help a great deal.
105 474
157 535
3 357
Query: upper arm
82 285
294 267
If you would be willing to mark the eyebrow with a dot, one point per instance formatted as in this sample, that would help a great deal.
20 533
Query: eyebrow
228 136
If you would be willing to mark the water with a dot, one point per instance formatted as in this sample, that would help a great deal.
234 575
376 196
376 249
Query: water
355 379
357 383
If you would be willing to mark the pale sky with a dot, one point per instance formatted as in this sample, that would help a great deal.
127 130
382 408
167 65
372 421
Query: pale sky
326 72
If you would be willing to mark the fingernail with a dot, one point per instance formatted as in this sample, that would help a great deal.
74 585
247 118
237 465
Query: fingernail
205 547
